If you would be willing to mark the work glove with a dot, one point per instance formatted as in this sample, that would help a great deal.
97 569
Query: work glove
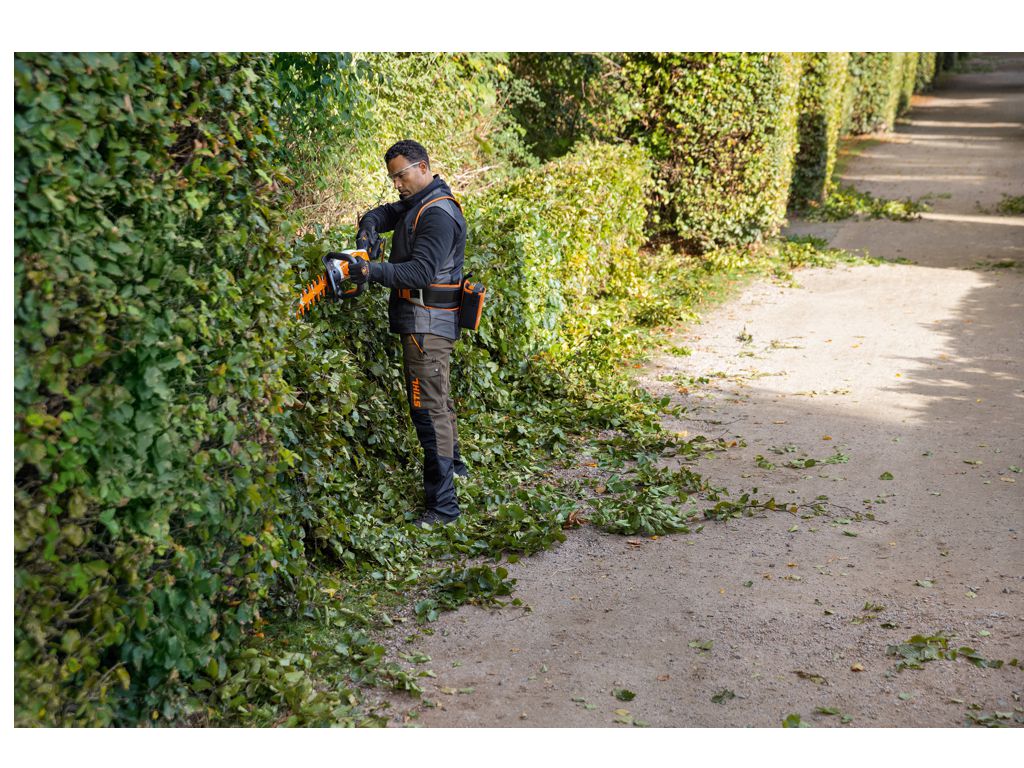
366 237
370 241
358 270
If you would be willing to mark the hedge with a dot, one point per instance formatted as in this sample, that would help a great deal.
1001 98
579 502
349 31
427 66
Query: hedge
909 82
875 86
822 87
568 97
450 103
722 130
927 68
185 450
148 375
552 238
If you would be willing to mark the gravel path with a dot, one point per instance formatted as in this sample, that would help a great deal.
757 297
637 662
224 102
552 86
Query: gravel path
911 370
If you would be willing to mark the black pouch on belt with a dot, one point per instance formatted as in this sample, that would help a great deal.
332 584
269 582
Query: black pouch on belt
472 305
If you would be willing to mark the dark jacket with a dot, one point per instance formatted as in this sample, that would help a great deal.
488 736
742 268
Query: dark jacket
432 256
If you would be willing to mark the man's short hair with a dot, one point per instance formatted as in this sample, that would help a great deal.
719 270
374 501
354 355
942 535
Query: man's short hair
411 150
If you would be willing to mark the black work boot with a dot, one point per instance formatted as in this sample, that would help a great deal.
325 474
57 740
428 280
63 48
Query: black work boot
430 519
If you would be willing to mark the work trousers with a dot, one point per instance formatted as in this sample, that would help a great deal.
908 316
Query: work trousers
426 361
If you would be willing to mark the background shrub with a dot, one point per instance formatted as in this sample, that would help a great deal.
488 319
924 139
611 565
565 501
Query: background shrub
822 87
926 71
453 104
148 375
875 85
721 129
569 96
908 83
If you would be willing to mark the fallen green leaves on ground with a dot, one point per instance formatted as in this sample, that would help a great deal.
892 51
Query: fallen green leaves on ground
994 719
1011 205
919 649
847 202
794 721
844 719
813 677
522 496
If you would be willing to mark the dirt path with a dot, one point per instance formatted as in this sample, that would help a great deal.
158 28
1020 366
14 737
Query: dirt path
912 370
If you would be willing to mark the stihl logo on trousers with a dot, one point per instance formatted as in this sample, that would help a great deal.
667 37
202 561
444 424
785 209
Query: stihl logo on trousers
416 402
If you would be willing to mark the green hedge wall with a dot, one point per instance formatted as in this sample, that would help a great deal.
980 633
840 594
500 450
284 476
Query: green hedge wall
185 448
449 102
549 239
570 96
822 87
927 68
721 129
148 375
875 85
909 81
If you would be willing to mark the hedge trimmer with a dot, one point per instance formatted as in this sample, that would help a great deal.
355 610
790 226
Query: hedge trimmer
332 281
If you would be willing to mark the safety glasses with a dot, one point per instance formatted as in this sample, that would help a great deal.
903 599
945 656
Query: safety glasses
401 173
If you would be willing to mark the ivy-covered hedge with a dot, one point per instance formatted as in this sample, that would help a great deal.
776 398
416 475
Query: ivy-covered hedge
148 377
927 68
822 88
875 85
185 449
554 237
721 129
449 102
908 82
568 97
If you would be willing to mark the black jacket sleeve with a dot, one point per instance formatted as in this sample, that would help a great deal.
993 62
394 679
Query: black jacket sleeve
384 217
435 238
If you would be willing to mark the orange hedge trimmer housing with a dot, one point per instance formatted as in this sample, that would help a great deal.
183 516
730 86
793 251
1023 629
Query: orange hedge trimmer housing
333 281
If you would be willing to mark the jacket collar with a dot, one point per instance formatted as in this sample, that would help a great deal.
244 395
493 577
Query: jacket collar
414 200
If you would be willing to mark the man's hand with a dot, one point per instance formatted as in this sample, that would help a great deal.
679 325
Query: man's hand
366 237
357 270
370 241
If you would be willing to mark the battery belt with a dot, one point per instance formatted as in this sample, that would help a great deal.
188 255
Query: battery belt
433 296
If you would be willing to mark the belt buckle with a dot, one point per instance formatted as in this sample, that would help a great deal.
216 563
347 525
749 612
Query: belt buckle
416 296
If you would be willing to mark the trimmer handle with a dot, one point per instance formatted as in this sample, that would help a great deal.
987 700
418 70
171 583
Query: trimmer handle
376 252
337 276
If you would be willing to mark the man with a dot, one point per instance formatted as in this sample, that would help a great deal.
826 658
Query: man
424 273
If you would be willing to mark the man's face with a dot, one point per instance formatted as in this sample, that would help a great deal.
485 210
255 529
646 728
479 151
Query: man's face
408 177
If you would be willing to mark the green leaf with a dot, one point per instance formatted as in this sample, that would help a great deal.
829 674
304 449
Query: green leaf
723 696
814 678
623 694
